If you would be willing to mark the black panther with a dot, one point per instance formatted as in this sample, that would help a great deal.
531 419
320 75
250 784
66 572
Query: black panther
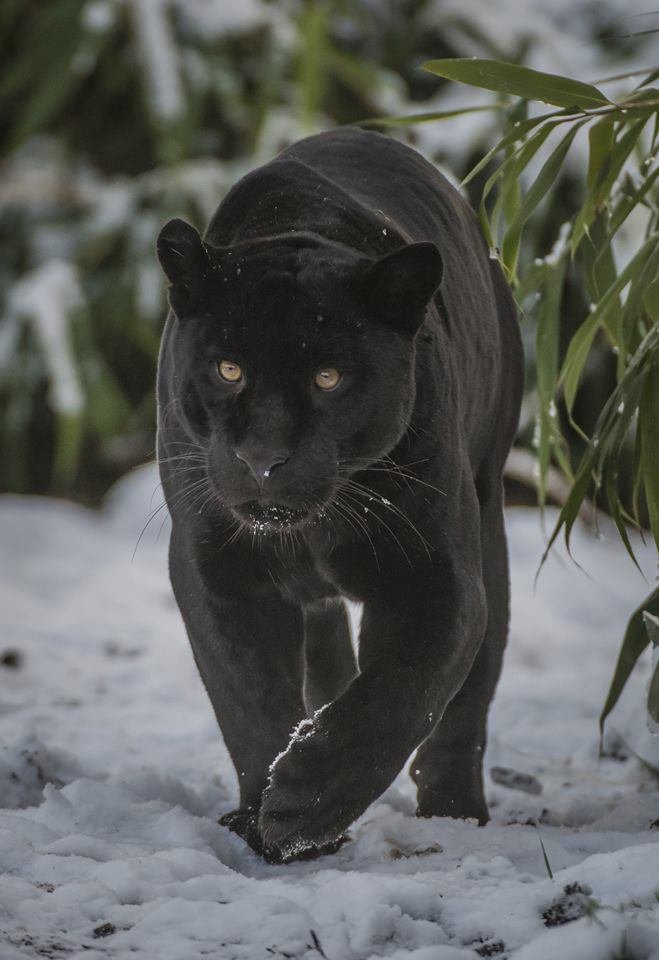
338 388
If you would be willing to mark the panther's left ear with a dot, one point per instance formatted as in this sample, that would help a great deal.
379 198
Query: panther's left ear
181 252
184 259
399 287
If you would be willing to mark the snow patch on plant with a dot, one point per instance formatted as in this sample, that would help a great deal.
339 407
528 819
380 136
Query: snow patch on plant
45 298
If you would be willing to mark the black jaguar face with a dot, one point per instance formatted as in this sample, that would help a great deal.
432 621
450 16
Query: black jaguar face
294 363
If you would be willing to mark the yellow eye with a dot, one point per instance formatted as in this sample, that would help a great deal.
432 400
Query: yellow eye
229 371
327 378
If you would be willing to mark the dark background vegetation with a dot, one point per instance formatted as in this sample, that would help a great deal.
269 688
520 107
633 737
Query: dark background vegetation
115 116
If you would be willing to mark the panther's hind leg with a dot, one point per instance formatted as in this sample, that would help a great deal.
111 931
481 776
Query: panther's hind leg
329 659
448 766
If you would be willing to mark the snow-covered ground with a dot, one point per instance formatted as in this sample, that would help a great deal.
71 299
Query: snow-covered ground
113 774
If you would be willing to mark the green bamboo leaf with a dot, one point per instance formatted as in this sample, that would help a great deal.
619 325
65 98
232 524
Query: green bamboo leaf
616 513
632 316
531 283
617 157
651 300
424 117
511 168
634 643
547 343
652 629
519 132
630 196
612 435
581 342
648 424
601 273
313 27
519 81
561 452
510 194
544 856
357 74
570 509
612 421
68 444
509 173
107 408
537 191
637 474
600 144
536 275
509 199
625 76
643 96
605 179
596 256
654 75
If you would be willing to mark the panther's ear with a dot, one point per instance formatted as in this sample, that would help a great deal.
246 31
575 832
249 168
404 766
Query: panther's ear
398 287
185 261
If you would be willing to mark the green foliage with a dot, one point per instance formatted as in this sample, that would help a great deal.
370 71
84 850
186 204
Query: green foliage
116 117
545 858
510 78
637 637
618 131
652 629
620 279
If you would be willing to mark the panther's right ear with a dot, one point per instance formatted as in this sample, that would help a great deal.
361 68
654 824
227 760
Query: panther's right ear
398 287
184 259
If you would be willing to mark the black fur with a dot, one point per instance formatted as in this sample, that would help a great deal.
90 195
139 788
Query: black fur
285 498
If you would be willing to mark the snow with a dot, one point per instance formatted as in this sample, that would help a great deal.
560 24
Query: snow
160 58
45 297
560 247
113 775
214 19
99 16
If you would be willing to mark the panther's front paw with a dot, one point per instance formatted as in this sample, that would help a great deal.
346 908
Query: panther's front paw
288 854
305 808
244 822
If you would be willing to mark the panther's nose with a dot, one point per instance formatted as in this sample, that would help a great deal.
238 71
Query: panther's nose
260 462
